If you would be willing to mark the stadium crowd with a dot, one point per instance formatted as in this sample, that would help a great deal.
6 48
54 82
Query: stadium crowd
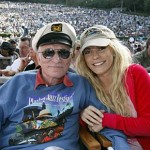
16 17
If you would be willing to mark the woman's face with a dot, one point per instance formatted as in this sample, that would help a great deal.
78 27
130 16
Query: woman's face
99 59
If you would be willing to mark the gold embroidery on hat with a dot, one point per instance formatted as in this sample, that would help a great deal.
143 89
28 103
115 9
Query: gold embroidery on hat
56 27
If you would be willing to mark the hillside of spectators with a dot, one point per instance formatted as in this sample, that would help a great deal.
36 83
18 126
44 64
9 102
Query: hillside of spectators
32 16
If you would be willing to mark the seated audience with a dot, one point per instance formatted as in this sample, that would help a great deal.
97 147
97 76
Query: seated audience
24 50
6 49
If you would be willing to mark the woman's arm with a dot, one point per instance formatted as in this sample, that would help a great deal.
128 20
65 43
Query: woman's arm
139 125
132 126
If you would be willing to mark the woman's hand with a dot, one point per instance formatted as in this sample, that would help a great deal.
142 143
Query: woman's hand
95 127
92 115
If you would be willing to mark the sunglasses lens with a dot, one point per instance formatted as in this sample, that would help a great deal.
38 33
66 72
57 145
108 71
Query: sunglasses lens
63 53
49 53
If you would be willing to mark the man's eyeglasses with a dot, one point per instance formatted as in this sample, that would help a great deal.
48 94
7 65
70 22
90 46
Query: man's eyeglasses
62 53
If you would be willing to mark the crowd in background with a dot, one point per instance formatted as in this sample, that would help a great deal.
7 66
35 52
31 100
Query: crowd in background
18 18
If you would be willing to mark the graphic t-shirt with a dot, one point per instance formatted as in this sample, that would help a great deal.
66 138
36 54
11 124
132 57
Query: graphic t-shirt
43 120
36 118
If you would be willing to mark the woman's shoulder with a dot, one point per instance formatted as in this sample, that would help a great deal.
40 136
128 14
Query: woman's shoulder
137 68
137 71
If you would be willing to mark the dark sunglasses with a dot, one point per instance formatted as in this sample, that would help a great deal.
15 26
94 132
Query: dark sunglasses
62 53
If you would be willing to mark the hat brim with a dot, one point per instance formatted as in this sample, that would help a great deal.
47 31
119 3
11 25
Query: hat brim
55 38
95 42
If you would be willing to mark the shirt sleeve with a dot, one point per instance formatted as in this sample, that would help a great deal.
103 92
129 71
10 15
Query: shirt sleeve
6 101
15 65
89 97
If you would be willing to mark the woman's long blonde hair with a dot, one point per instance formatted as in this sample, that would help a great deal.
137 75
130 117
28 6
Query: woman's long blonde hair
118 100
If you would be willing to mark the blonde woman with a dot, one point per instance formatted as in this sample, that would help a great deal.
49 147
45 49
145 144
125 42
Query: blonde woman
122 86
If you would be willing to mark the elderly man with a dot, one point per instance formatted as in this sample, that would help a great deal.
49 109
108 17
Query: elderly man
41 108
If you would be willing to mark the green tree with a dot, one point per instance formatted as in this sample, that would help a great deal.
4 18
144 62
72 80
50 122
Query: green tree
147 6
135 5
130 5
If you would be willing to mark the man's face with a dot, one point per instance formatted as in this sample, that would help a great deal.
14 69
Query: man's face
55 67
14 45
24 48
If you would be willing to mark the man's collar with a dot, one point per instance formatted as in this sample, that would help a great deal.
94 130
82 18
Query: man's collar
39 80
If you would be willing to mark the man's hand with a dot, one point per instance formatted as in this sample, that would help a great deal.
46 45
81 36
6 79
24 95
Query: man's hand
8 72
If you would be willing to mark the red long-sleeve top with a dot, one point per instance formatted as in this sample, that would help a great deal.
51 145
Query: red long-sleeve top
138 89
